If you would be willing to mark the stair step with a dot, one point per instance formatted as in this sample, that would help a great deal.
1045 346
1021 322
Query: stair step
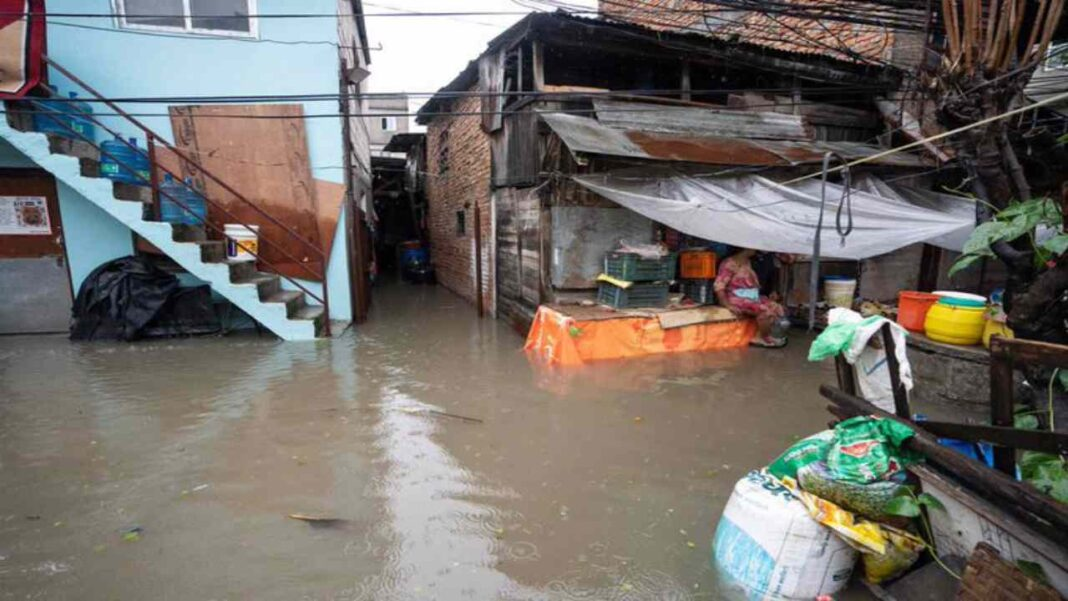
267 284
312 313
240 270
19 116
90 167
74 148
211 251
293 300
191 233
132 192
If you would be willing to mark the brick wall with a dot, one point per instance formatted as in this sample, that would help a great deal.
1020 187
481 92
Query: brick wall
465 184
837 39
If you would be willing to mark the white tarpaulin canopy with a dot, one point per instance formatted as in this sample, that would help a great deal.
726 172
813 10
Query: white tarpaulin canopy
754 212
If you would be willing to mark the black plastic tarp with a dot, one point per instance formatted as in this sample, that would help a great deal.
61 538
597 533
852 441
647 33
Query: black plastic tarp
131 298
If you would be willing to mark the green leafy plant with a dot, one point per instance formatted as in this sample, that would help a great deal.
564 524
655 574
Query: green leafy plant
1046 472
1016 221
907 503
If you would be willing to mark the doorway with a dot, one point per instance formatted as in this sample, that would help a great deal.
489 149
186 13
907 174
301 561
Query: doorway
34 272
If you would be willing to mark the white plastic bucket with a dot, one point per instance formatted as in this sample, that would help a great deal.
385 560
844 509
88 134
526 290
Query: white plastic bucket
242 241
838 292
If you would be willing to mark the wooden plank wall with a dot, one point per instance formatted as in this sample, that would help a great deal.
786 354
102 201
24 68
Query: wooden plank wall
520 242
267 161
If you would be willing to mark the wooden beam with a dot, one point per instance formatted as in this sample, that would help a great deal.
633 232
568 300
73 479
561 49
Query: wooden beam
1030 351
901 396
538 65
1001 395
1043 513
1031 440
684 81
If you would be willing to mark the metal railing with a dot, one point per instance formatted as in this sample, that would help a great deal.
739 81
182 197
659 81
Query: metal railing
152 180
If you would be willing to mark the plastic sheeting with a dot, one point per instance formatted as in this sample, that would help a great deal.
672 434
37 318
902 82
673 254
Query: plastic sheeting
755 212
560 339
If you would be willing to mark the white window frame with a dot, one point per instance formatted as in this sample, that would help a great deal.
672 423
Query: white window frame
253 23
390 120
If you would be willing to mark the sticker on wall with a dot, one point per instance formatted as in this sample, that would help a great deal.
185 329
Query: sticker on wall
24 216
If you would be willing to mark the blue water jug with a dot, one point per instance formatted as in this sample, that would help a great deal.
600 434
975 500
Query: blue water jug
64 118
195 211
121 163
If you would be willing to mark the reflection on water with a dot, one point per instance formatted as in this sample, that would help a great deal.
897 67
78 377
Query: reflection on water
597 483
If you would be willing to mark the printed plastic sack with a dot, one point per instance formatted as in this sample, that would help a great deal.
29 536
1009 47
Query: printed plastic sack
868 500
902 550
767 545
886 552
866 449
801 453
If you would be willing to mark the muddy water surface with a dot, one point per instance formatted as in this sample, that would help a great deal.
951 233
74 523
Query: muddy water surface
167 470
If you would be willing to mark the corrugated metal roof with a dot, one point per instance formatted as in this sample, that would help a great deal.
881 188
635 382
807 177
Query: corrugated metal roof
587 136
700 121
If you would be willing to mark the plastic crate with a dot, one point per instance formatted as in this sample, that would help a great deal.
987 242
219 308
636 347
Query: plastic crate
633 268
699 291
637 296
698 264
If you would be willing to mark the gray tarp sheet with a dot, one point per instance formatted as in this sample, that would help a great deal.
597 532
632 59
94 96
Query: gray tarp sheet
754 212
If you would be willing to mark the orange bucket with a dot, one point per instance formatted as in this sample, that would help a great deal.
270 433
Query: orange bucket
912 308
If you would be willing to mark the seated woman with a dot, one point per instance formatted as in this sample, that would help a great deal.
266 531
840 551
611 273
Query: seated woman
738 288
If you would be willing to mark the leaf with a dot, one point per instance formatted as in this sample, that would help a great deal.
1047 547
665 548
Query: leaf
1056 245
929 501
1062 378
1032 570
964 262
903 506
1025 422
983 236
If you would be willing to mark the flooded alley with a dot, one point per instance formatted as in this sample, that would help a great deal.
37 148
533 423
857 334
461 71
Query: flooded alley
168 469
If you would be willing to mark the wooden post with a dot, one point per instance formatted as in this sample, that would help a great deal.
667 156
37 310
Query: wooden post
684 83
153 175
847 380
901 396
538 66
1001 395
478 261
929 263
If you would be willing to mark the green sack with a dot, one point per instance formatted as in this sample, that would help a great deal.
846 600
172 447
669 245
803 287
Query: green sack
801 453
836 338
867 449
871 501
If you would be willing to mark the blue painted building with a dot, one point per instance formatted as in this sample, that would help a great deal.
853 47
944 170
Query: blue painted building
179 52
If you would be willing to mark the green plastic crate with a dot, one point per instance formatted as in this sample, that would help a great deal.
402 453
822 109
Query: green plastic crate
637 296
633 268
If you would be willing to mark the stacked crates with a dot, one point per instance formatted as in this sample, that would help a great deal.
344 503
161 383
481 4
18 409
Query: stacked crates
651 279
698 271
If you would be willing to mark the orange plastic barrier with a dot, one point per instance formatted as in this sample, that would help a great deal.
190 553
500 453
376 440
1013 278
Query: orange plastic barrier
560 339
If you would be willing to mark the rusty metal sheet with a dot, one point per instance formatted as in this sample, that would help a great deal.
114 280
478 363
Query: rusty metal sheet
588 136
700 121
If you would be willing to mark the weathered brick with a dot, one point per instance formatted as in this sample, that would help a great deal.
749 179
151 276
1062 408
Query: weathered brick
463 185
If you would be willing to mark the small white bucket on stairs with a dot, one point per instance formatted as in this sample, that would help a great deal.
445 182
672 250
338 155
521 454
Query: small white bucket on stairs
242 241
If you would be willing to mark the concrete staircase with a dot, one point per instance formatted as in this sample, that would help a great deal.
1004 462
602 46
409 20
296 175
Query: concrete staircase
286 313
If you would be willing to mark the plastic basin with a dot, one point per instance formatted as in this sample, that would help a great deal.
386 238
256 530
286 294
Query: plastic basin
912 309
951 324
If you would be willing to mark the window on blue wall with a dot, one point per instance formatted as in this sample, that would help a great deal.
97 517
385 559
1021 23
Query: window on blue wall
220 17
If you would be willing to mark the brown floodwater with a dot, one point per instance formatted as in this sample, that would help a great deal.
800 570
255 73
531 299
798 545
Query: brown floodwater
167 469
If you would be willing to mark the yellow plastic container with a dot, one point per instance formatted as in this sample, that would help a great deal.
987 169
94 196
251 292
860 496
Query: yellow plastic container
955 325
995 328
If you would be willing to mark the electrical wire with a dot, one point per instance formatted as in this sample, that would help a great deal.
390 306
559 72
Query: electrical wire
214 38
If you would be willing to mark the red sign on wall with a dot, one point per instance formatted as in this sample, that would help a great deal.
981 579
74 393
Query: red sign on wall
22 42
